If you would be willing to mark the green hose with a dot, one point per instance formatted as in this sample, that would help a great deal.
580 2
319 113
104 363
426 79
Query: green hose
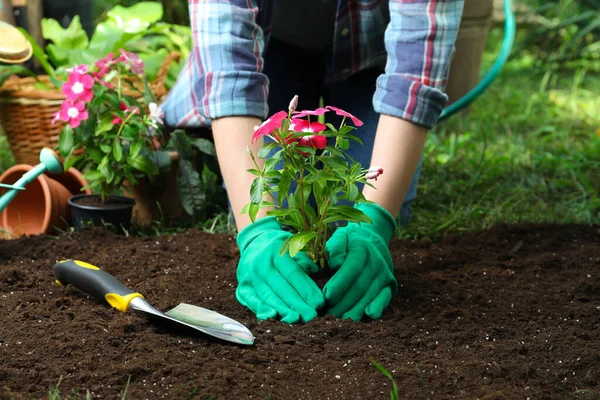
507 44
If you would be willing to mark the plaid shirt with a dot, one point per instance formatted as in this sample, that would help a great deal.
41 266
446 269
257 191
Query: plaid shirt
413 39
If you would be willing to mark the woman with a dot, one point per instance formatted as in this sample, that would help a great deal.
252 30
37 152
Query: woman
386 62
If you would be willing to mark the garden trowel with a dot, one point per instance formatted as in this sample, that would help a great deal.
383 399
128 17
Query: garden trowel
103 285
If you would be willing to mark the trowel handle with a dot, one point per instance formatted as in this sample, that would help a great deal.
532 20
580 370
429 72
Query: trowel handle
94 281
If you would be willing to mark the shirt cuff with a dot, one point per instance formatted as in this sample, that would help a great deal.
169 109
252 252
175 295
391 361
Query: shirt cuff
401 97
195 102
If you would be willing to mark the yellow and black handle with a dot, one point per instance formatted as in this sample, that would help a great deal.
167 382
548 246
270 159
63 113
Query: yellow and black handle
94 281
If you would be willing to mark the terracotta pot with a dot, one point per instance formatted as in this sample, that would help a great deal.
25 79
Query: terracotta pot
152 204
73 180
41 208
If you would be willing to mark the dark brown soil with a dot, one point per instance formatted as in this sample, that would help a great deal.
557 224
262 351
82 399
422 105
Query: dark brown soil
509 313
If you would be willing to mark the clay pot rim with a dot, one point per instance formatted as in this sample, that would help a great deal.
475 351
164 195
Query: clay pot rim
42 180
125 202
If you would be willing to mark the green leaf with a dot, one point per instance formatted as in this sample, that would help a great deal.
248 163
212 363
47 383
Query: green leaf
344 143
254 171
285 246
142 164
348 213
137 18
182 144
299 240
107 172
64 40
39 53
253 210
285 182
136 148
87 130
190 187
106 148
205 146
353 192
73 37
117 150
66 141
266 149
256 190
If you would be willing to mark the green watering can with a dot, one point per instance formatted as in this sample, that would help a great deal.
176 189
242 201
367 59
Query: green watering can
49 162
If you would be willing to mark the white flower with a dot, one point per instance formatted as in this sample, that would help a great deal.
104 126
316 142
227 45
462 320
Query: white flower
293 104
156 113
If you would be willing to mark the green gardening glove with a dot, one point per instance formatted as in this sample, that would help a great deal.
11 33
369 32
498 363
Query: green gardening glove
272 285
364 281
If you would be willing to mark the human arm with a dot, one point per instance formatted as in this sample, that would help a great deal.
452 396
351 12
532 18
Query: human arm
409 98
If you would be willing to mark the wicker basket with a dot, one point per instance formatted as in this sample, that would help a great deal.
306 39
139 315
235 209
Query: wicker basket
26 113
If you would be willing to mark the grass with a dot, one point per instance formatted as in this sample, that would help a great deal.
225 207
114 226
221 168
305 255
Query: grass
528 151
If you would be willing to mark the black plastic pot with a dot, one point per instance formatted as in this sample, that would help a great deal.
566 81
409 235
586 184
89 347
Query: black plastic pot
64 10
115 212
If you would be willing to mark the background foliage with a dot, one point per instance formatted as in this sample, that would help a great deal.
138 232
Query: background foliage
527 151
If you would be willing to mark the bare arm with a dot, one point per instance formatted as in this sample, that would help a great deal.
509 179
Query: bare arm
232 136
397 149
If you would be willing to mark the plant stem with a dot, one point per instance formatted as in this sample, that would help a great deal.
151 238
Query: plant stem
320 228
302 209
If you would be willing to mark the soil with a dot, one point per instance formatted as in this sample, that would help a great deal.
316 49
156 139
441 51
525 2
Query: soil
510 312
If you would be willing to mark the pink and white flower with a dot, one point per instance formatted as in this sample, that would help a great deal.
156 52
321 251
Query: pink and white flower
374 173
132 61
303 125
80 69
304 113
79 86
73 112
105 64
343 113
267 127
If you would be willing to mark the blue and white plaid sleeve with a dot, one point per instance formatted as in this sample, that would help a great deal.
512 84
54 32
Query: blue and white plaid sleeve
420 41
223 75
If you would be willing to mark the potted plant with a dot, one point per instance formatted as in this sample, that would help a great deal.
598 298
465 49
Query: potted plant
112 133
27 95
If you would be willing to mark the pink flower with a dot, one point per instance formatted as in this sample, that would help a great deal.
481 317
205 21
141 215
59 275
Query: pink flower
304 113
343 113
80 69
123 106
78 86
302 125
55 117
374 173
293 104
105 64
117 121
267 127
132 61
314 141
73 112
101 81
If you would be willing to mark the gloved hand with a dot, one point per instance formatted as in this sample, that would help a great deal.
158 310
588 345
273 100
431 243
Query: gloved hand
272 285
364 281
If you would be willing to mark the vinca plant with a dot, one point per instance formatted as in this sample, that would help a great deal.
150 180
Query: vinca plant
306 175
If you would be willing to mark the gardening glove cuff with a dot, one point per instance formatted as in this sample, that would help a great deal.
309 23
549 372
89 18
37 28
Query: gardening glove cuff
254 230
384 224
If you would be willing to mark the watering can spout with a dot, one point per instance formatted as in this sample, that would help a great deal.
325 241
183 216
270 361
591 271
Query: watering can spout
14 46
